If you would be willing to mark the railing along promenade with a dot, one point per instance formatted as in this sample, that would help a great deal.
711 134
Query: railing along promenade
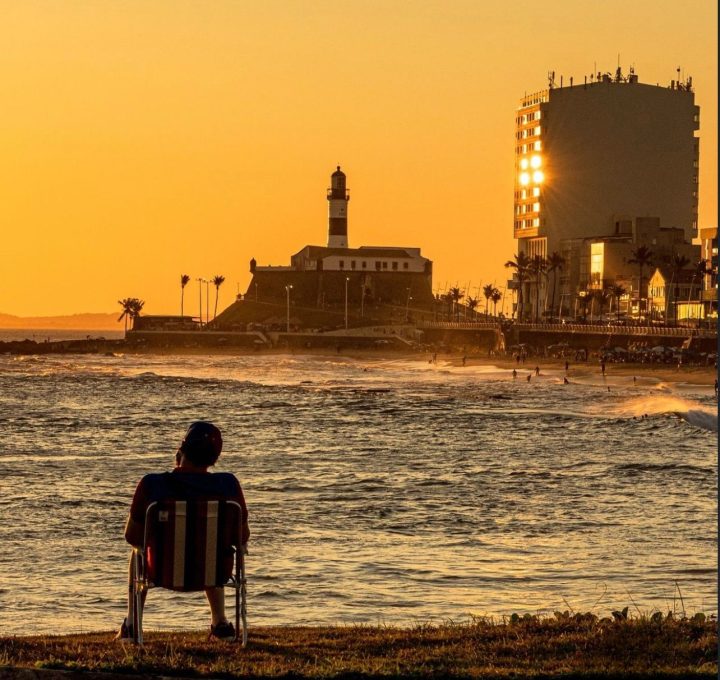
667 331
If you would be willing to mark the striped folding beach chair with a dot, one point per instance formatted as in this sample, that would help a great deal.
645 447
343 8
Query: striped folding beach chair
190 546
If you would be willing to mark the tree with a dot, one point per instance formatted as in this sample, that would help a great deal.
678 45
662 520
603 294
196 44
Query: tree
555 264
495 297
677 264
642 257
472 303
456 295
701 270
601 295
617 291
126 304
131 308
537 267
217 282
184 280
520 264
487 292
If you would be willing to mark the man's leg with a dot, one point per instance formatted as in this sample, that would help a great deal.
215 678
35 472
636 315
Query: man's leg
216 600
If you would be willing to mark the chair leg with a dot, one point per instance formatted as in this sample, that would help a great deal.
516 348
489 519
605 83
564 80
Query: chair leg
137 599
243 601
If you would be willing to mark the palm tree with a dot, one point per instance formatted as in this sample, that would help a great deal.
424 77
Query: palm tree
602 295
617 291
184 280
472 303
131 308
555 264
520 264
677 264
456 295
641 256
217 282
136 308
701 269
496 297
127 305
487 292
538 265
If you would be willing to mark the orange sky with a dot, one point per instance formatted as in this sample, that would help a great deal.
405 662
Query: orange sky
143 139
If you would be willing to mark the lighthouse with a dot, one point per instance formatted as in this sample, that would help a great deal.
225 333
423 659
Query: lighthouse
338 198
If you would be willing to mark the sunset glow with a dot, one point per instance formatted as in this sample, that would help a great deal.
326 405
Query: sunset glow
142 140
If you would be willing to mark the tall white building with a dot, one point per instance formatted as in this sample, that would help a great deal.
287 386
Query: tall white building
592 155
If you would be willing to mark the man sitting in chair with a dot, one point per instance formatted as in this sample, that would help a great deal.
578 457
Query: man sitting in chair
189 481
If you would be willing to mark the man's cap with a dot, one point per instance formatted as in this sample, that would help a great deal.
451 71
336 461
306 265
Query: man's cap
204 437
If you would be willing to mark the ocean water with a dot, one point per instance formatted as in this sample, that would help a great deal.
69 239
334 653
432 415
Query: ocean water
392 491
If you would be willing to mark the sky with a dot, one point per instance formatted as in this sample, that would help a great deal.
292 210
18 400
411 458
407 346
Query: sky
145 139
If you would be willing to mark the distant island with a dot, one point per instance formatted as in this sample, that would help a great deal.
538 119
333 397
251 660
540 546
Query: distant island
87 321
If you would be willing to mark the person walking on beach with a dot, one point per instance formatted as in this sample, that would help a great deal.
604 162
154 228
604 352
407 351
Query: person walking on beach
566 381
602 366
464 361
190 480
567 366
537 370
529 377
515 376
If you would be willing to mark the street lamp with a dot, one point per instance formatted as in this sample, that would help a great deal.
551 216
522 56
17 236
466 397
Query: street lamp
347 280
200 283
207 300
407 306
288 288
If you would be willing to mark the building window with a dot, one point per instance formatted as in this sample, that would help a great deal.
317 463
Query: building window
352 264
536 191
377 265
538 146
364 265
395 266
342 264
406 265
384 265
536 207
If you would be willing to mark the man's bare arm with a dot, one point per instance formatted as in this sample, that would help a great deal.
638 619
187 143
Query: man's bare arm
134 532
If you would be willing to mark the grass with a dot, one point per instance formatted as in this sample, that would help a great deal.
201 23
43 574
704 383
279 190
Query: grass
566 645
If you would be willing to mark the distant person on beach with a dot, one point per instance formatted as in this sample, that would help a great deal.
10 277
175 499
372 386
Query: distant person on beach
515 376
602 366
566 381
434 359
464 361
190 480
529 377
635 380
517 359
537 370
567 366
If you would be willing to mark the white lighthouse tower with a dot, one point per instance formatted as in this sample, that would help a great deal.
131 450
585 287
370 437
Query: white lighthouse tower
338 197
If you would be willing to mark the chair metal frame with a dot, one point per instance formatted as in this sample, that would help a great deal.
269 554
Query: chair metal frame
140 582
